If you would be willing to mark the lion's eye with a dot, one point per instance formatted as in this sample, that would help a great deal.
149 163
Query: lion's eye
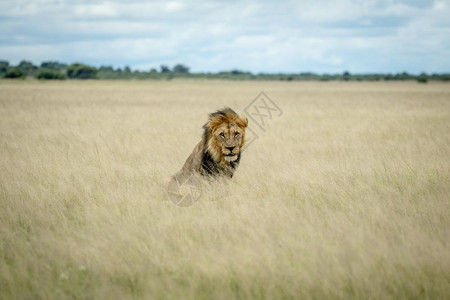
236 134
222 134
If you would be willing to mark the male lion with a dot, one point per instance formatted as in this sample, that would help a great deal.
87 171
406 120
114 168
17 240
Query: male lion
219 151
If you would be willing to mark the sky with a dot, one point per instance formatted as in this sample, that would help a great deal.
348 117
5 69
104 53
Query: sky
318 36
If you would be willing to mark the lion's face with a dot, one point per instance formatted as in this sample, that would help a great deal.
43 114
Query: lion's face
230 138
227 135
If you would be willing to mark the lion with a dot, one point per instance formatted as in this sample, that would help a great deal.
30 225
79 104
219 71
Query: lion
219 152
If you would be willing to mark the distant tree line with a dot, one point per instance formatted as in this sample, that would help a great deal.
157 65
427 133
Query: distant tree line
53 70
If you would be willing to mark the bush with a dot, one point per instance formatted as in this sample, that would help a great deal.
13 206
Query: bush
165 69
4 65
13 73
27 68
422 79
346 76
80 71
50 75
180 69
53 65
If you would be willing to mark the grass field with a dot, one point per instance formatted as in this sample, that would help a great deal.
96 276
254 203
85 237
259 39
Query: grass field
346 195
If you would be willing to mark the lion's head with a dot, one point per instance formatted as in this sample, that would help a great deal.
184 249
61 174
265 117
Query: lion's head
225 135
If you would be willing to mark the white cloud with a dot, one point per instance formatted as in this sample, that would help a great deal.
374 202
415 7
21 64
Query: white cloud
96 10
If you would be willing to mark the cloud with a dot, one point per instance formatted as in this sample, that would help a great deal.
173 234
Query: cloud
264 36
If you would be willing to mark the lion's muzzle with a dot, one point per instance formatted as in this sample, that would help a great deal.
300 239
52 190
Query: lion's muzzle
230 158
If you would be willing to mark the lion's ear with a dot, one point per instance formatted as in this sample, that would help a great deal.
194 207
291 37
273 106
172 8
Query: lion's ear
242 122
215 121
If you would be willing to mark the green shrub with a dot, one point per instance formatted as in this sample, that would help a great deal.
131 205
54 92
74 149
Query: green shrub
4 65
13 73
50 75
346 76
80 71
179 68
53 65
422 79
27 68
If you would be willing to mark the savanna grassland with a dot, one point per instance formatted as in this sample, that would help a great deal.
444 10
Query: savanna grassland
346 195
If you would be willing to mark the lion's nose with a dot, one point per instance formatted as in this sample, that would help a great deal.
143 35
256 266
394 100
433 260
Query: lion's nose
230 148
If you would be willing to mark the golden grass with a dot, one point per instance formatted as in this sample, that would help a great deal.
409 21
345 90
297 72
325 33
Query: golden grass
346 195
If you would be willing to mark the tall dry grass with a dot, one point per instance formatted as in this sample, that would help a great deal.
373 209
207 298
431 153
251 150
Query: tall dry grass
346 195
